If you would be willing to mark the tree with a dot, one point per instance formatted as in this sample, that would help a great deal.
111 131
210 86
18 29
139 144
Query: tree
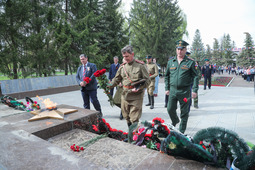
248 51
226 50
216 56
113 36
197 50
155 27
13 18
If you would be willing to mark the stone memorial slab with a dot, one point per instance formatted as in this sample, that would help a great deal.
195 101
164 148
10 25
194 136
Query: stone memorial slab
33 84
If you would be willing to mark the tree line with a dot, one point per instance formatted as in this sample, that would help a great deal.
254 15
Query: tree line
42 36
221 53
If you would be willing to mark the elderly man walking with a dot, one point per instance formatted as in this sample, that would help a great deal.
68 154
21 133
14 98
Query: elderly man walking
129 73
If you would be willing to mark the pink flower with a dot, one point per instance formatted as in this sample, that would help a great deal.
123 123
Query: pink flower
135 137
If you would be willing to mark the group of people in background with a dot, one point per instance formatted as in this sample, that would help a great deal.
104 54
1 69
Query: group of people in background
133 77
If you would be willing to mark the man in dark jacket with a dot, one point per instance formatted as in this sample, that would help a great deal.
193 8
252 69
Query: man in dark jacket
113 70
88 90
207 73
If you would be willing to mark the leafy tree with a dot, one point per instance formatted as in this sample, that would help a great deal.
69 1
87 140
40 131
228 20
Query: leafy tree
155 27
13 18
197 50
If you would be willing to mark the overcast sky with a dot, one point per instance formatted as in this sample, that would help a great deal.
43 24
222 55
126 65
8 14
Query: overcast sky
213 18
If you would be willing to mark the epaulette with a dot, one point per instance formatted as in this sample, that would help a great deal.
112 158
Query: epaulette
139 61
170 58
190 58
123 64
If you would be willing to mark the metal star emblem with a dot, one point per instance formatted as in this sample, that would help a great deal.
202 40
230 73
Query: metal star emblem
53 114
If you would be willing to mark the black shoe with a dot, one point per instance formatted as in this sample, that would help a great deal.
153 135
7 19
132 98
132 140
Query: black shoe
165 105
148 104
204 88
121 116
196 107
152 107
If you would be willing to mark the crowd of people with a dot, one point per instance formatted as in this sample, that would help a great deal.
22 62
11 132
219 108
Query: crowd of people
246 72
133 77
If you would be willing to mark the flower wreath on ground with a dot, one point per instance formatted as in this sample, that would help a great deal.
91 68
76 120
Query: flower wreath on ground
12 102
214 146
103 81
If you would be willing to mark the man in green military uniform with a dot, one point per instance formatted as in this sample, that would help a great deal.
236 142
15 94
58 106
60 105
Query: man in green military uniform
153 72
179 76
132 96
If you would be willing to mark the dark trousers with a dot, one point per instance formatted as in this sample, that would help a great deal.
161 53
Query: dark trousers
111 91
88 95
205 81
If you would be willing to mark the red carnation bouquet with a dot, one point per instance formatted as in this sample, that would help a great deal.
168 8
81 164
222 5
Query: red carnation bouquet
102 81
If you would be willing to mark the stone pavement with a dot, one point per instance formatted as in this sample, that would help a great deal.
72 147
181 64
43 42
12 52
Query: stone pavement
230 107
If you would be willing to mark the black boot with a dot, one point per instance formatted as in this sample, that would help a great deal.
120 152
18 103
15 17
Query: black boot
166 100
152 102
149 97
121 116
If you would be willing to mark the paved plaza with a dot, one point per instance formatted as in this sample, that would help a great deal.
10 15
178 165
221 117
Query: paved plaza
231 107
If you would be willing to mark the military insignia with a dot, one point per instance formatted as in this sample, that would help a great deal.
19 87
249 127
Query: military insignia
185 67
88 68
172 68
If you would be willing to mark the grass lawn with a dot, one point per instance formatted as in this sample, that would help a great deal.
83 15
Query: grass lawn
218 81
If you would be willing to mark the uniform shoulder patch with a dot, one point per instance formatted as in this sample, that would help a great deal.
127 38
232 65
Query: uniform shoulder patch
191 58
123 64
139 61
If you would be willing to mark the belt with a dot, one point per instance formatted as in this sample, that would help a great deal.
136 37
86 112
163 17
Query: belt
128 87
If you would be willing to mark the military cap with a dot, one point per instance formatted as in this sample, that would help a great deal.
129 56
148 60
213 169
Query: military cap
181 44
188 53
207 59
148 57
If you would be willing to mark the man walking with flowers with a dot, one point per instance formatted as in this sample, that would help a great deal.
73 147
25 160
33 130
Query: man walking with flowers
134 77
87 81
179 76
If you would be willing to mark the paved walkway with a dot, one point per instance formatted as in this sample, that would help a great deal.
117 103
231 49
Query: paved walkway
230 107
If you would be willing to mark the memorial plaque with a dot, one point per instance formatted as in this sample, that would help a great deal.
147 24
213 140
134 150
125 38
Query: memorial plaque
32 84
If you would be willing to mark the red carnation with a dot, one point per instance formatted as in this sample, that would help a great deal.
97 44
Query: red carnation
97 73
204 147
87 80
95 128
158 119
102 71
185 100
82 148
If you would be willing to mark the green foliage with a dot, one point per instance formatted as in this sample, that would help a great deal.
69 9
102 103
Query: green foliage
247 54
197 52
155 26
39 36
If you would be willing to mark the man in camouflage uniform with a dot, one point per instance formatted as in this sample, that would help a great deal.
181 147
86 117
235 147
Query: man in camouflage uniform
153 72
132 96
179 76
